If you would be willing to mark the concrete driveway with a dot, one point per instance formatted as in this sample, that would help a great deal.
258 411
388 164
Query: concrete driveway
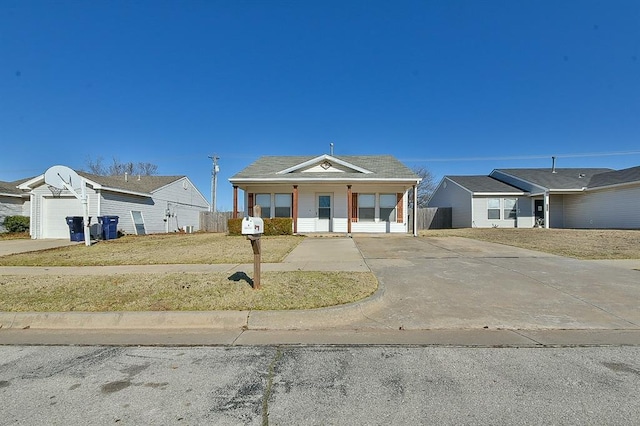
454 283
22 246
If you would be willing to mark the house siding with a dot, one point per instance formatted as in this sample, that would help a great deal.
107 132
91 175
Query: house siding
459 199
556 211
308 211
10 206
610 208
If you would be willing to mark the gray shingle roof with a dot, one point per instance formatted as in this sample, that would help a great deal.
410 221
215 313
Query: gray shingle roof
483 184
574 178
12 187
381 166
615 177
142 184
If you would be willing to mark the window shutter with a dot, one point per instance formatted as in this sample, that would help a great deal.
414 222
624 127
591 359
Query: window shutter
354 207
399 211
250 207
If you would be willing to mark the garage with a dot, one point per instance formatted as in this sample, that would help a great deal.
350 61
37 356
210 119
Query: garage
54 213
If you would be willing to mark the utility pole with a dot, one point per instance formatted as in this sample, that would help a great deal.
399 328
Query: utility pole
214 181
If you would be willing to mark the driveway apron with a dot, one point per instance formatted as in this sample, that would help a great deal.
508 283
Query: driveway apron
437 283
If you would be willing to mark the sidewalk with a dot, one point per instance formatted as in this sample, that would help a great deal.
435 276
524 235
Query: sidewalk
432 292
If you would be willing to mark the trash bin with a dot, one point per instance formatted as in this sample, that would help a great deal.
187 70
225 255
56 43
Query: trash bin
76 228
109 227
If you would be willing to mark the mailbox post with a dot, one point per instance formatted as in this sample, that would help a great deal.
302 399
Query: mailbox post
253 228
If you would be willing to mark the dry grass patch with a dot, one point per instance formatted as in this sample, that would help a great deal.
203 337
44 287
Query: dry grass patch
199 248
577 243
183 292
14 236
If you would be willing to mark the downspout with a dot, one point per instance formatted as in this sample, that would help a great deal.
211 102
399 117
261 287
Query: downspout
415 210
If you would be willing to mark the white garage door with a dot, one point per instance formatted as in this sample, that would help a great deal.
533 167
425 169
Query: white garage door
54 213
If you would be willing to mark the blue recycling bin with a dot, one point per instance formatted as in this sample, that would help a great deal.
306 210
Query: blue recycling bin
109 226
76 228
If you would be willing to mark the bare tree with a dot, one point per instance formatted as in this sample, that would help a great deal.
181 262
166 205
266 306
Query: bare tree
118 168
425 188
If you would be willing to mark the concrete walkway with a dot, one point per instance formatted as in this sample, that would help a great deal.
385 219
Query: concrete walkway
445 291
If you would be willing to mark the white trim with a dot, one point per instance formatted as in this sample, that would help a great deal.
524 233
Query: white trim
323 179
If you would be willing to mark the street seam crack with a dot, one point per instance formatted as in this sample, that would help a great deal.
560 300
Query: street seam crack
267 391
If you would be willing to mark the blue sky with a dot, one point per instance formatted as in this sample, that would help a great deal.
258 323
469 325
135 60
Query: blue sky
458 87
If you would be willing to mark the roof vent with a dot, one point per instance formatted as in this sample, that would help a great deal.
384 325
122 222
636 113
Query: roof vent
553 164
581 175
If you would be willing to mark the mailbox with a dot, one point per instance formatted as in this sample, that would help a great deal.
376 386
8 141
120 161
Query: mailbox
252 226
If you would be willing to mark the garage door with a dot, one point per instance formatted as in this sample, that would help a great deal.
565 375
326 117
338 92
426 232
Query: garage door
54 213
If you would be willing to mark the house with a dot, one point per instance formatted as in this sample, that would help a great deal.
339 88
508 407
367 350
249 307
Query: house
553 198
13 202
329 193
143 204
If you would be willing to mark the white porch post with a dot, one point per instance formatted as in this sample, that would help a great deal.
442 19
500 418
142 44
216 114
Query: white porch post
546 210
415 210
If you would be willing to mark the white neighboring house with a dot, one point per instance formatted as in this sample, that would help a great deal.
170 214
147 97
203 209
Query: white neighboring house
143 204
329 193
583 198
13 201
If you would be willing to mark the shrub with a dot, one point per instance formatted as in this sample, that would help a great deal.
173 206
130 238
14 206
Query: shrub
275 226
16 223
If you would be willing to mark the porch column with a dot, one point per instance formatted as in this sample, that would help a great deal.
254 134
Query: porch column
349 208
295 209
546 210
415 210
235 201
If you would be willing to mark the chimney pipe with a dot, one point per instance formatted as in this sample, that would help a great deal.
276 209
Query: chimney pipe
126 177
331 148
553 164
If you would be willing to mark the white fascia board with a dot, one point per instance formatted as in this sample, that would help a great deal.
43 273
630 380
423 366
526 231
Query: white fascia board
122 191
566 191
321 180
6 194
501 194
31 182
323 158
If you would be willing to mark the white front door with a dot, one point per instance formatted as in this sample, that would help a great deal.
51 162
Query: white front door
324 213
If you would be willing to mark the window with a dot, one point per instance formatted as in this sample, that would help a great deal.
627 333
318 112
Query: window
283 205
264 201
493 208
510 210
366 207
324 206
388 207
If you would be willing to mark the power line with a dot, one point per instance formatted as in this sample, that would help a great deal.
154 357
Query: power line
522 157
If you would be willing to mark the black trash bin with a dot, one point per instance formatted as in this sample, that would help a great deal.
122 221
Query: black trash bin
76 228
109 226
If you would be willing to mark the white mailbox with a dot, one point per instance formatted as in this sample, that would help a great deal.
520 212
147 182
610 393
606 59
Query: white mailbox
252 226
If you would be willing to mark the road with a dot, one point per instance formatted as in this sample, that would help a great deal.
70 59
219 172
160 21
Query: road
313 385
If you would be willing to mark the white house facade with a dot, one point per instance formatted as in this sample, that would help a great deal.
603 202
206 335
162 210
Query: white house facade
143 204
589 198
329 193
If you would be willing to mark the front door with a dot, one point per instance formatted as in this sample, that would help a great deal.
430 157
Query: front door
538 214
323 213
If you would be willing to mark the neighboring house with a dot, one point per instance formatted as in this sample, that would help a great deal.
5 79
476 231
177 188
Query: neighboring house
13 202
329 193
143 204
553 198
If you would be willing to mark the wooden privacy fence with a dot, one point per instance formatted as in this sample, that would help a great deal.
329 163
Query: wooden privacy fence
215 221
432 218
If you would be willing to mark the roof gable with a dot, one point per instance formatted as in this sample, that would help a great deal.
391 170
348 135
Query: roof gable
324 163
344 167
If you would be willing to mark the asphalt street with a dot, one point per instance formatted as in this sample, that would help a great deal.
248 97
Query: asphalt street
319 385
